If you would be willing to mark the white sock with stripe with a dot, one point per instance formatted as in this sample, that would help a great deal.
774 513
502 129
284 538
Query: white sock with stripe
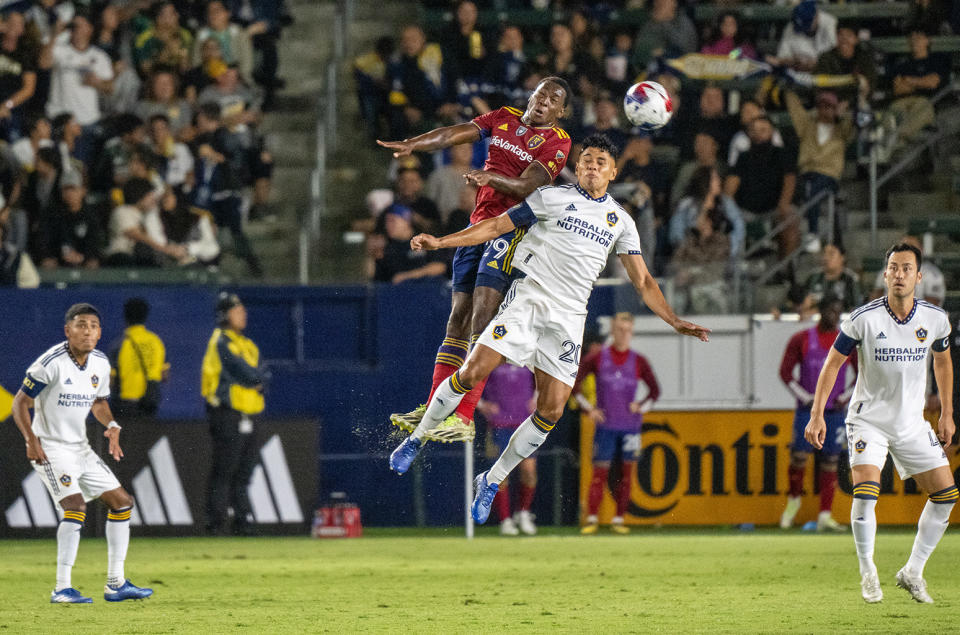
933 523
68 543
863 522
446 398
529 436
118 540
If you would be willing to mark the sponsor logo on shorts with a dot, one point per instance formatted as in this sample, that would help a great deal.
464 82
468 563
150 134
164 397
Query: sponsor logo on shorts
921 334
499 331
536 142
612 219
94 380
66 480
860 446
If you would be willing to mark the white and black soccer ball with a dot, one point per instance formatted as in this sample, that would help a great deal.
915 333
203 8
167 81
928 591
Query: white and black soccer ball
648 105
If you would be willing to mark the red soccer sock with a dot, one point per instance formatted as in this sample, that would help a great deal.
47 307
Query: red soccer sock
525 497
469 402
796 481
828 485
502 501
623 487
450 358
596 489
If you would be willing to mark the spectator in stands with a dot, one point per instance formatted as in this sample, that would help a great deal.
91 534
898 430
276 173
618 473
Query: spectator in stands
928 15
932 287
712 118
16 268
834 279
704 196
176 161
505 70
444 183
263 20
459 218
110 38
130 243
915 81
41 195
81 73
727 38
200 75
562 60
668 33
824 135
47 15
811 33
190 227
650 178
706 152
38 136
749 111
464 49
399 262
619 71
66 131
235 45
763 181
73 236
113 164
605 121
370 75
582 29
408 191
19 55
849 57
162 99
417 83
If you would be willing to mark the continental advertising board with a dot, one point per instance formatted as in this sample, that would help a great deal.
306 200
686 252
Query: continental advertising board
714 468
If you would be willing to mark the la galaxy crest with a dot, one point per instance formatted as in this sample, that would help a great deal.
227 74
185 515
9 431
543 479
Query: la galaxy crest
921 334
94 381
65 480
612 219
860 446
535 142
499 331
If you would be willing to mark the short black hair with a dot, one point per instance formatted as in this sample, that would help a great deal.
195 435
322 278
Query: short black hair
135 311
210 110
562 83
80 308
828 299
159 117
601 142
898 247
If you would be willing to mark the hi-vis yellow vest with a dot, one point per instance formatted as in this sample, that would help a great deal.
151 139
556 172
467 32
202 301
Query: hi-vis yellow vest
219 385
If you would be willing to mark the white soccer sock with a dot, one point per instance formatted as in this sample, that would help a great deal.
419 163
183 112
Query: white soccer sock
863 521
529 436
118 539
445 400
68 543
933 522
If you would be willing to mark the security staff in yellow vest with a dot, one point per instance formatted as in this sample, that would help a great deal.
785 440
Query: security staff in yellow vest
138 364
232 384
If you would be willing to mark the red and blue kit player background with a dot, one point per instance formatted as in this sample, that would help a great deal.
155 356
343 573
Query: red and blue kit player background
527 150
808 350
509 398
617 371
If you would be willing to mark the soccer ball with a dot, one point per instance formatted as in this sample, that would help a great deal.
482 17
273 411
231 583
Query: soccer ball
648 105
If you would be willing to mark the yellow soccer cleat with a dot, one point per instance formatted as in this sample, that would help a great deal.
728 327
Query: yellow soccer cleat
589 529
620 528
451 430
408 421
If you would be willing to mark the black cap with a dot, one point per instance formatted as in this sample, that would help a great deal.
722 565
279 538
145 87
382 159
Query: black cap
225 302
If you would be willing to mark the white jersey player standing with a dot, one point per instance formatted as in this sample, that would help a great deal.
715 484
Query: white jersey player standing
893 335
64 385
540 324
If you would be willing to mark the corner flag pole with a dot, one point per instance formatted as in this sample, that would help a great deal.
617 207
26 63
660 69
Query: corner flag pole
468 487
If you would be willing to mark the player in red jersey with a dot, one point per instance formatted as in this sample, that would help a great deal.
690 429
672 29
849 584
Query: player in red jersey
527 150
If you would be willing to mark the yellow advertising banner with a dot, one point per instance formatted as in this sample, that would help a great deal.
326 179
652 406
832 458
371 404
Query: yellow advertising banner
715 468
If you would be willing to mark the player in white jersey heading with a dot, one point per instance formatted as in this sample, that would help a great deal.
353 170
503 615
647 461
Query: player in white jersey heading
893 335
64 385
540 324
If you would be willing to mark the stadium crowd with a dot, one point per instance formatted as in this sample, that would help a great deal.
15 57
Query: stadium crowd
737 158
130 130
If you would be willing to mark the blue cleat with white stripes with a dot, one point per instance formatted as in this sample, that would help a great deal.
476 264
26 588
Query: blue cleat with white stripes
126 591
69 596
403 456
483 500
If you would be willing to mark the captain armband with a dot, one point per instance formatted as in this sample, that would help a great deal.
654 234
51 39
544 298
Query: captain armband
845 344
941 344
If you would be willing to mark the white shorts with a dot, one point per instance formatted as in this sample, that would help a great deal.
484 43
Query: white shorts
915 450
75 471
531 331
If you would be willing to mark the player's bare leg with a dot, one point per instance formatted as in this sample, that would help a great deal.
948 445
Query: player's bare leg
863 521
450 356
68 543
940 486
118 588
552 394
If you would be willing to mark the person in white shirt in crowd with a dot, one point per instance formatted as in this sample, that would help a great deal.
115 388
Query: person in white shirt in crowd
740 143
38 136
177 162
810 33
81 73
130 243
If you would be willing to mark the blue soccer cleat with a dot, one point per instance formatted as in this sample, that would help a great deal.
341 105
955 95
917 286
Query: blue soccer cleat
403 456
483 500
126 591
69 596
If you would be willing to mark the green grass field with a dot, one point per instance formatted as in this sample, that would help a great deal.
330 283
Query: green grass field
437 582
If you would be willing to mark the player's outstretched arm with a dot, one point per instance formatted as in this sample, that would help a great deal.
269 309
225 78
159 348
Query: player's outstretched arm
816 430
517 187
474 235
436 139
22 404
943 372
646 285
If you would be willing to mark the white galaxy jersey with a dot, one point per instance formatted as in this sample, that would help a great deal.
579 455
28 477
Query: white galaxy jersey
567 247
892 359
64 392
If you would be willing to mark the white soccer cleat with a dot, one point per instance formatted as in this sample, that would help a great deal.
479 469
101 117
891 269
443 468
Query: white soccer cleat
870 588
508 527
526 524
915 586
790 511
825 522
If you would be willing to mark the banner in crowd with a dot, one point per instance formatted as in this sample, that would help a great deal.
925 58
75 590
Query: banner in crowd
724 67
165 466
715 468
